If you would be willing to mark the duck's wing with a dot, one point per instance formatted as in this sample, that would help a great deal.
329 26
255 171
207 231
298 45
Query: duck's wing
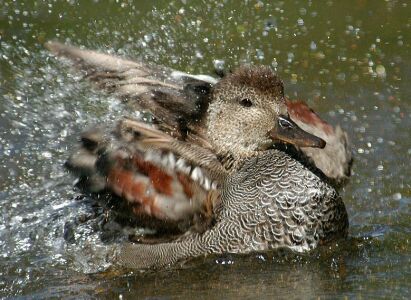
177 100
150 137
160 177
335 160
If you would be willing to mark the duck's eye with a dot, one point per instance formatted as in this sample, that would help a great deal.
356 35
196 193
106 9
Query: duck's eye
246 102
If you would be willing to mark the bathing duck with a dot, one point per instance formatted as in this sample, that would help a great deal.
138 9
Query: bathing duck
234 154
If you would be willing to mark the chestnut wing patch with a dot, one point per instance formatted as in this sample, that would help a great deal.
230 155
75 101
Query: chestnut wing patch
157 183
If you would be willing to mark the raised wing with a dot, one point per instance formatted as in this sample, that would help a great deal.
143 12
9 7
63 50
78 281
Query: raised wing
335 160
160 177
177 100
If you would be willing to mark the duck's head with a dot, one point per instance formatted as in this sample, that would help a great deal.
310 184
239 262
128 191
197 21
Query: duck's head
247 113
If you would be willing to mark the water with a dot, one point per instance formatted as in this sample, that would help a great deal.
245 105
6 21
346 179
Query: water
350 60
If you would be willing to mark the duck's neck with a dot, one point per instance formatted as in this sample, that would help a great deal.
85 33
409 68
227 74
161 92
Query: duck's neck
227 160
233 161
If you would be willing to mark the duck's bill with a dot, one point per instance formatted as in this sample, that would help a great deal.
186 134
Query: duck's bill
289 132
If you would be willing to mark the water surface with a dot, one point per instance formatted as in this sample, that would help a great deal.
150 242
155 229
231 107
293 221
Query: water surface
350 60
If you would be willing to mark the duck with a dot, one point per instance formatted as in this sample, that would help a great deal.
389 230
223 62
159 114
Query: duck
232 163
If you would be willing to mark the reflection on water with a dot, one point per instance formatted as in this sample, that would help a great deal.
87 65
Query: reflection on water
352 67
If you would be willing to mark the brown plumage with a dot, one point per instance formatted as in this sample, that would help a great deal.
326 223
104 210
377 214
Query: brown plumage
261 79
205 156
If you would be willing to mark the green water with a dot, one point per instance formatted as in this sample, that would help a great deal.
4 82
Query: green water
351 60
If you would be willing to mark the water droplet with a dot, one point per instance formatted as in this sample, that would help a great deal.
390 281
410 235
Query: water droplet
199 54
290 57
313 46
380 70
219 64
397 196
260 54
46 154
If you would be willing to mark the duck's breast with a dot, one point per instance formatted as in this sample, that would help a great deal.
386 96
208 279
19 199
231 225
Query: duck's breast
275 201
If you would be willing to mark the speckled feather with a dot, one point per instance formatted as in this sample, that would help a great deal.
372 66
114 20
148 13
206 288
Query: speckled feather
271 201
